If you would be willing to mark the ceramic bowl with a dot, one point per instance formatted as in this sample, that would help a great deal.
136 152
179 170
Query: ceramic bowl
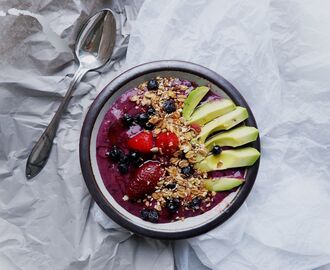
175 230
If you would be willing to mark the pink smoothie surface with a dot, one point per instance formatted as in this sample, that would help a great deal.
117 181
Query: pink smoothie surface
113 132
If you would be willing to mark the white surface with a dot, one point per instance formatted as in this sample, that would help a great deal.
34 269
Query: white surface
275 52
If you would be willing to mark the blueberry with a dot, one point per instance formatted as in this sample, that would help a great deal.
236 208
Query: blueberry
171 186
135 159
173 205
124 159
152 85
145 214
187 171
149 126
134 156
127 119
216 150
115 153
123 168
182 155
195 203
151 111
138 162
169 106
153 216
142 118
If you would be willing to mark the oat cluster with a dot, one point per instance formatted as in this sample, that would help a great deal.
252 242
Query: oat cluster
174 184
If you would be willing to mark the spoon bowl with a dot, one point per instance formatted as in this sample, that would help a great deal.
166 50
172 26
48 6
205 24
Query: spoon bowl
94 48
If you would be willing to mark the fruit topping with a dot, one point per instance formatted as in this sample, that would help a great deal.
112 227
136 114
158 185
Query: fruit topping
145 214
229 159
145 180
123 168
169 106
152 85
115 153
187 171
151 111
171 186
167 142
141 142
173 205
196 127
135 159
192 100
224 122
222 183
150 215
124 159
216 150
133 156
234 137
211 110
127 120
149 126
195 203
142 118
153 216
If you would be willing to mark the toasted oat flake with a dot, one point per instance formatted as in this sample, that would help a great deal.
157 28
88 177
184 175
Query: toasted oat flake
183 163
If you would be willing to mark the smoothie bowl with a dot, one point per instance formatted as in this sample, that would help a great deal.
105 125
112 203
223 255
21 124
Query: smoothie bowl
169 150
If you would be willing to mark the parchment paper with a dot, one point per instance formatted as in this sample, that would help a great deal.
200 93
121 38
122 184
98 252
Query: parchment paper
275 52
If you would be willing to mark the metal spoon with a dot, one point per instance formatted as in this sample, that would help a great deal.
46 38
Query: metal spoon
94 47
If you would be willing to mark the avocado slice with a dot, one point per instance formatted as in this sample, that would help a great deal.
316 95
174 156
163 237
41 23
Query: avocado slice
222 183
235 137
229 159
210 110
224 122
192 101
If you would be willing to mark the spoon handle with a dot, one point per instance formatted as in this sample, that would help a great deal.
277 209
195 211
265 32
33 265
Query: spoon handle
41 150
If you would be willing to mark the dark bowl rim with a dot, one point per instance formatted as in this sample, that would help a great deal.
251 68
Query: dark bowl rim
102 98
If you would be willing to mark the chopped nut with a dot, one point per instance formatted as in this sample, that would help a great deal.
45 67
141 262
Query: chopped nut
203 152
145 102
190 154
171 94
158 207
157 131
185 147
183 163
176 115
154 120
174 160
193 160
134 98
154 149
125 198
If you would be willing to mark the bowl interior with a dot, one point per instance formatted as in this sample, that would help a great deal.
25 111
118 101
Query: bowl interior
179 226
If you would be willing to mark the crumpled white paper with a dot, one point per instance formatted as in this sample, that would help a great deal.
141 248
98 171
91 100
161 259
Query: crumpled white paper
275 52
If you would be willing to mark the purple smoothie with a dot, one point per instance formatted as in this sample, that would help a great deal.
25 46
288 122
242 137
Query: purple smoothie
113 132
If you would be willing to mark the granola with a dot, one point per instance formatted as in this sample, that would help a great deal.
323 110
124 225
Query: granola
186 187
